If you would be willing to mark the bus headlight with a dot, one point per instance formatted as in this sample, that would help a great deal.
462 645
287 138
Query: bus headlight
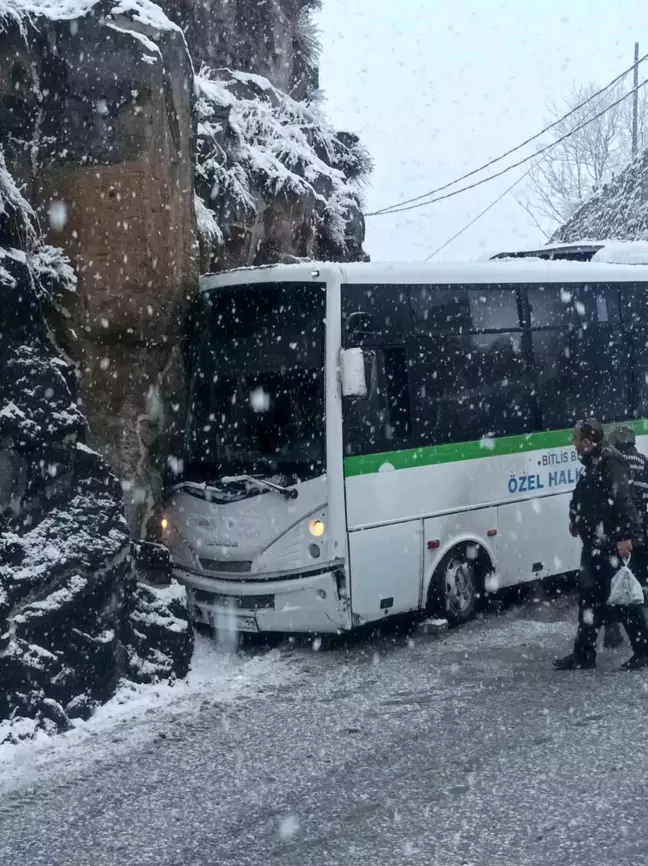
164 524
316 528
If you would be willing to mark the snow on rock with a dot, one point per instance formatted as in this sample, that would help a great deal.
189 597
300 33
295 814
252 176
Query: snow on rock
72 615
144 12
18 224
208 227
280 182
618 211
159 639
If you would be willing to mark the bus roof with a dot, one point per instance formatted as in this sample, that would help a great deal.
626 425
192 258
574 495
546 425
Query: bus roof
499 271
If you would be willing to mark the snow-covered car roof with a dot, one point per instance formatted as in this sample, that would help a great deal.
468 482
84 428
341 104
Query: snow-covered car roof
499 271
610 251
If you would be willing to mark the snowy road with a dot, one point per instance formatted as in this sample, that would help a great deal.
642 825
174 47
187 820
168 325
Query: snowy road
468 751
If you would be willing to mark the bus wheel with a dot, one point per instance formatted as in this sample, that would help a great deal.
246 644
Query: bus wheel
456 585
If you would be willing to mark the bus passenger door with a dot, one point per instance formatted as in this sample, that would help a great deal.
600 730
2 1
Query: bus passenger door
385 570
385 547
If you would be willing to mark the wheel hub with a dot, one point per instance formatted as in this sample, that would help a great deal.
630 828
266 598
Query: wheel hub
460 585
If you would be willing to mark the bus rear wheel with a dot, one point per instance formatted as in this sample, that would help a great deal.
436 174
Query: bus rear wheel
455 588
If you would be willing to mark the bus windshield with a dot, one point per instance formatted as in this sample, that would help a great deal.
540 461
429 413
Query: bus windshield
257 395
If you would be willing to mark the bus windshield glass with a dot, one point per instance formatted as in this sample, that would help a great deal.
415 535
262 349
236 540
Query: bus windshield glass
257 395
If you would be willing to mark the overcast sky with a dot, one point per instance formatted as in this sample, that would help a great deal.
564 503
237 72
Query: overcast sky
437 87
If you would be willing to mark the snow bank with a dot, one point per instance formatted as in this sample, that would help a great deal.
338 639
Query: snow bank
136 714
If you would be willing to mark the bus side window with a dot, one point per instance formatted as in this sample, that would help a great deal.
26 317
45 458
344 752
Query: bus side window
470 376
377 319
470 386
634 314
377 315
579 354
397 386
463 309
552 306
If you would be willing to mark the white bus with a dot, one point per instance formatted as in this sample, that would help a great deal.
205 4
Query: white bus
373 439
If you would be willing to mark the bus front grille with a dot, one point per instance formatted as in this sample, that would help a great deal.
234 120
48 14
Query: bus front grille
237 602
225 565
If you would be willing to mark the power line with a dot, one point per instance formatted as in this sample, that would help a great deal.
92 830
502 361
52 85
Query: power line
394 208
479 215
510 188
513 165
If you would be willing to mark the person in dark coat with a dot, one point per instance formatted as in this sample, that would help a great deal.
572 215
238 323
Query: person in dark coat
624 440
603 515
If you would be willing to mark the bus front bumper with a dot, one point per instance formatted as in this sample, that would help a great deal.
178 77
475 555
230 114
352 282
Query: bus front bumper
298 605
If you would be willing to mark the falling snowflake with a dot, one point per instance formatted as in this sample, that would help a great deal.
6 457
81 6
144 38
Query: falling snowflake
259 400
288 827
57 215
175 464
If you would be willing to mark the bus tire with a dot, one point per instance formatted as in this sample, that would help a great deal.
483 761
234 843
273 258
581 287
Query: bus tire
457 583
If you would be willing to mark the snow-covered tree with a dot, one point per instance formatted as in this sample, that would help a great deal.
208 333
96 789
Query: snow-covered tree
568 174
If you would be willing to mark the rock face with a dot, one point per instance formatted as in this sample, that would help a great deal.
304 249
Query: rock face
158 638
619 211
96 107
99 113
273 38
73 618
120 155
274 182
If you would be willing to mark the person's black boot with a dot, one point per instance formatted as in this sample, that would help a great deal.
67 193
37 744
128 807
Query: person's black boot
635 663
612 637
571 663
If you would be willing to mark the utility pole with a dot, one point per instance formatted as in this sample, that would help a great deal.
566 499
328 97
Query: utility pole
635 101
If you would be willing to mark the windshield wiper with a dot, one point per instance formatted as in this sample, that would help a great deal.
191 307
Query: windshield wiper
286 492
203 489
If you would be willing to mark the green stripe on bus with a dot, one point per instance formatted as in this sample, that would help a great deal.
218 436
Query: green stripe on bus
430 455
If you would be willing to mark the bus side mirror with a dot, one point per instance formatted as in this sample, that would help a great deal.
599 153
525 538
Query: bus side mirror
354 379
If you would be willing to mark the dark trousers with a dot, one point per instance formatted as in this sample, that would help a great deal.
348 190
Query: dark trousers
598 567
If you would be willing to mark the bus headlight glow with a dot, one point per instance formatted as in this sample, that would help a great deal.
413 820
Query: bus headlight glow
164 524
316 528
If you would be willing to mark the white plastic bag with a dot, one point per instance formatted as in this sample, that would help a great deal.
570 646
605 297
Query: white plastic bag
625 588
